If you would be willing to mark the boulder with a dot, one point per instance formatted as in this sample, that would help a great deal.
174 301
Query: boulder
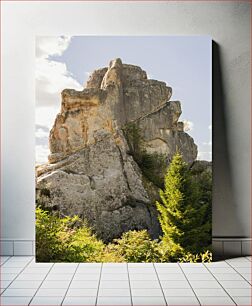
91 171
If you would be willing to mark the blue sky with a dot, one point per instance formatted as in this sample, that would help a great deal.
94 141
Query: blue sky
183 62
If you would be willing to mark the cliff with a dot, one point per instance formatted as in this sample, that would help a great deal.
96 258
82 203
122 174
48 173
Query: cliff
91 170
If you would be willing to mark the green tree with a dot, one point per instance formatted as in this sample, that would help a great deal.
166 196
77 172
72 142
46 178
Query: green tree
182 212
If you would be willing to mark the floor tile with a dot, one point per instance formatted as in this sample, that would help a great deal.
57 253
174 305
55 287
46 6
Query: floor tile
47 300
114 292
166 264
248 277
140 264
146 292
93 264
4 259
235 284
51 292
241 264
18 300
148 300
195 271
9 270
39 265
145 284
5 283
174 269
114 284
220 300
25 284
174 284
58 277
87 277
89 270
243 270
220 264
35 277
104 300
178 292
9 276
204 284
175 300
209 292
21 258
14 264
239 291
82 292
79 301
55 284
200 276
172 276
32 270
229 276
19 292
237 259
84 284
119 276
116 269
220 270
142 271
243 300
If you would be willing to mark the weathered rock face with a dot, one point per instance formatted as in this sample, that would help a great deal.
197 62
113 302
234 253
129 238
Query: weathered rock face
90 171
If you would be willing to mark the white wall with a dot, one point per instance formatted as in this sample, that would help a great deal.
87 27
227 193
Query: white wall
229 25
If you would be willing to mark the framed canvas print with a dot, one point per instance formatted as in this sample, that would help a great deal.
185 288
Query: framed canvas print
123 148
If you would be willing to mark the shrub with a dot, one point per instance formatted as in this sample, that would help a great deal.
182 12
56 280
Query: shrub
64 239
201 257
136 246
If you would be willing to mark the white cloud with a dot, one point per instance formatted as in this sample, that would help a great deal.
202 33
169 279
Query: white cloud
188 125
42 152
204 155
210 127
209 143
51 78
51 45
40 133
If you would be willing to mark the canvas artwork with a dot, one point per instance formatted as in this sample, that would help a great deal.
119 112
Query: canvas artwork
123 149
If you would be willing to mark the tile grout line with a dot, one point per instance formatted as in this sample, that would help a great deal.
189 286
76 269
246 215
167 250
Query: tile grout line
9 257
96 300
160 283
189 283
131 298
16 276
69 284
238 273
41 283
220 284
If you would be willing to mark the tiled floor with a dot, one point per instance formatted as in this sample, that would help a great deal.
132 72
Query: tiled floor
24 282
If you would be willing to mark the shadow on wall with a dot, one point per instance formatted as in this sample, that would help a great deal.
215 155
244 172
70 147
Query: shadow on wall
225 215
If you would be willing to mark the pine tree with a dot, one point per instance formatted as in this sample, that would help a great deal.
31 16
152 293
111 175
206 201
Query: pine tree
182 213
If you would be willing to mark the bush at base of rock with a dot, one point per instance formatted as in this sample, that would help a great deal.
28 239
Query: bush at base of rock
64 239
136 246
69 239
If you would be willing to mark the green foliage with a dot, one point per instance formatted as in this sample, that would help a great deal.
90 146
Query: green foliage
183 213
136 246
64 239
201 257
151 164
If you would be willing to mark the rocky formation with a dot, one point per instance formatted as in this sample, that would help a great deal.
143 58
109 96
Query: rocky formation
90 171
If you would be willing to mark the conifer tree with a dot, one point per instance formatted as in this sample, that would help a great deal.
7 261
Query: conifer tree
182 213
